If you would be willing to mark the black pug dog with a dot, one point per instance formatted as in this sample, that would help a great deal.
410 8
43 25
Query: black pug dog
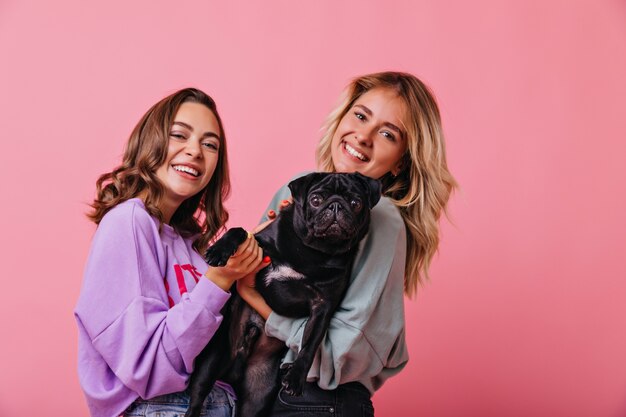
312 244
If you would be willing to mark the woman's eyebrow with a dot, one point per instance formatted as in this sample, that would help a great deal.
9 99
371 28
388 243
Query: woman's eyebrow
183 124
365 109
393 127
212 135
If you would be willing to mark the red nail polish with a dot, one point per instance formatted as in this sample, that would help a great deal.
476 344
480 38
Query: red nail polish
271 212
266 259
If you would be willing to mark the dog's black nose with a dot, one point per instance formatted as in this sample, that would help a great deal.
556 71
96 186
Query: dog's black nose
335 207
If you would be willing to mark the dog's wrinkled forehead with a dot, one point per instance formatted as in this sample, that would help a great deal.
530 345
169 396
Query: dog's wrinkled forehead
336 184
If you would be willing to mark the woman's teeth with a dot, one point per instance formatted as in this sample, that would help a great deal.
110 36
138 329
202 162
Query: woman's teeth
188 170
355 153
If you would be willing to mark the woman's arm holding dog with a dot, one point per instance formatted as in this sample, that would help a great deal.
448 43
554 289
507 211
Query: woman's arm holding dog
125 314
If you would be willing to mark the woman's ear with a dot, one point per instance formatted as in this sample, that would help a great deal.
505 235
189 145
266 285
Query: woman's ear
396 169
402 164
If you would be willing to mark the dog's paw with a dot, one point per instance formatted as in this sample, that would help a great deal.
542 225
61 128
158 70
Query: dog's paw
219 253
293 379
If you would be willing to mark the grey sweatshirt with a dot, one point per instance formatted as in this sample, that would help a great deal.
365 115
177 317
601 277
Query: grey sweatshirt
366 338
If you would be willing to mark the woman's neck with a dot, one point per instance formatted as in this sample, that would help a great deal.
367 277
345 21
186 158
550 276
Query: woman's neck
166 206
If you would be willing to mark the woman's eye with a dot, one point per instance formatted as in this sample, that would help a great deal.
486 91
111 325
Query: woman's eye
179 136
359 116
211 145
388 135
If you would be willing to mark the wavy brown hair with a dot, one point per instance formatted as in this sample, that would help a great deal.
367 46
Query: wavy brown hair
201 215
423 186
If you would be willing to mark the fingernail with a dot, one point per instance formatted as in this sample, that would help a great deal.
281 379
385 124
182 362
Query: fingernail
271 213
284 202
266 259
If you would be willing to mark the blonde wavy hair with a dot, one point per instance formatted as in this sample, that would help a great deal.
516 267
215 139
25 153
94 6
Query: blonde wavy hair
423 186
201 215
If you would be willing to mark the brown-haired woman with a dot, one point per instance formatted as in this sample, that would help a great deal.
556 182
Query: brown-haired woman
387 126
149 303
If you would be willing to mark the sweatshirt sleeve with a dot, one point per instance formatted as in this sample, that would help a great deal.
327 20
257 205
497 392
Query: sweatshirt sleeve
366 338
124 309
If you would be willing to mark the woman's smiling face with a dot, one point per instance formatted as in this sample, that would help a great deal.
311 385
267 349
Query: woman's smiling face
370 138
192 153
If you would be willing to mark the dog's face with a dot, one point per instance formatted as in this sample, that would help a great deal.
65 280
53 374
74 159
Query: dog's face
332 210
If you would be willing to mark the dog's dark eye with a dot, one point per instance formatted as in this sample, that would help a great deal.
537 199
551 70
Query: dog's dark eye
355 204
316 200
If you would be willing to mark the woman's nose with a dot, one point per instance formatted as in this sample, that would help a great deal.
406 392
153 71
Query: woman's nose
193 148
363 138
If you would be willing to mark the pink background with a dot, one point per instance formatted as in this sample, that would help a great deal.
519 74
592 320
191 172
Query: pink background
525 314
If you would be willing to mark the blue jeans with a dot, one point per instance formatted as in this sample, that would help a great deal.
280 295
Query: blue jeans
348 400
219 403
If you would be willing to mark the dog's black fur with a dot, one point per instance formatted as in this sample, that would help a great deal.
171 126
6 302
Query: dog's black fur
312 245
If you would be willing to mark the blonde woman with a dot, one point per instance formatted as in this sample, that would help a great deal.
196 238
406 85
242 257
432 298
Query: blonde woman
387 126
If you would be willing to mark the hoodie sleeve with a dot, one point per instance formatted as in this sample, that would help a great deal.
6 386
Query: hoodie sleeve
366 338
124 308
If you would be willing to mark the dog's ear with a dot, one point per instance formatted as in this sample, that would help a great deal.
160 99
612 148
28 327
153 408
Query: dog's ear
300 186
373 187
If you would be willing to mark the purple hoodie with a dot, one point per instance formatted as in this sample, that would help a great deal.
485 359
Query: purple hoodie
144 313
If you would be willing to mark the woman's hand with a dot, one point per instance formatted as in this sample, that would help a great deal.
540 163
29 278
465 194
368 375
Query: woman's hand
271 214
247 259
245 285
